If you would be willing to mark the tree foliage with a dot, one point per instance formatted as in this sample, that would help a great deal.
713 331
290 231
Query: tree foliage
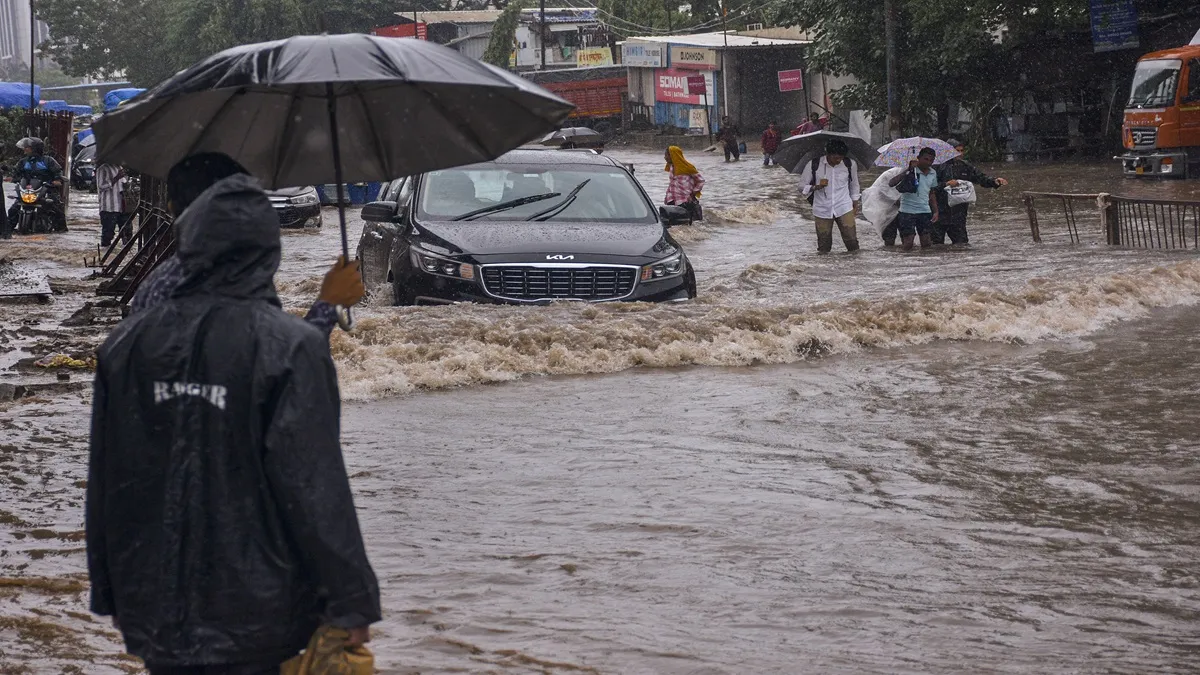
504 35
149 40
974 52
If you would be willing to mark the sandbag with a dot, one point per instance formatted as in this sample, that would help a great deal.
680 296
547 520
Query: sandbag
881 202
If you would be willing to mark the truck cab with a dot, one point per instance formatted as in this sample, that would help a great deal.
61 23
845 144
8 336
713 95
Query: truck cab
1161 131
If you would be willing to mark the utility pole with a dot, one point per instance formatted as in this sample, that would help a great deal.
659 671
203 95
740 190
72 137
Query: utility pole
891 27
670 30
542 33
724 75
416 26
32 46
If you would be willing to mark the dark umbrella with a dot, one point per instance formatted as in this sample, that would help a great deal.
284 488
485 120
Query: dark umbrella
399 108
572 135
794 152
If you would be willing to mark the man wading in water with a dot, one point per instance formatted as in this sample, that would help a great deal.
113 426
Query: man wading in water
831 185
221 531
918 200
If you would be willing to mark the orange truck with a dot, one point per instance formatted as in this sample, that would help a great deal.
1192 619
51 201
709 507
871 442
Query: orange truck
1161 132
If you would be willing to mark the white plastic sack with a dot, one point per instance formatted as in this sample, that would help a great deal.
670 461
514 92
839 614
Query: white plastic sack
963 193
881 202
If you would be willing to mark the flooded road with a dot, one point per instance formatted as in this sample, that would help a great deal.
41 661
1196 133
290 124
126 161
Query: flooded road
960 460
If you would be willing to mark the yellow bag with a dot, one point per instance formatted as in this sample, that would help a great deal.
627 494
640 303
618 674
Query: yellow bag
327 654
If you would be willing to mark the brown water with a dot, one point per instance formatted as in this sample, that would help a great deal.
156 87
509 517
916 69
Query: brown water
976 460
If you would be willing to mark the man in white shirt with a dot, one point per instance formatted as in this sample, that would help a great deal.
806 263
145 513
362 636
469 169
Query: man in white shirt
831 185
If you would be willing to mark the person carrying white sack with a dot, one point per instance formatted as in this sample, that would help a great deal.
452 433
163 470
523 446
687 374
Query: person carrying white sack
881 206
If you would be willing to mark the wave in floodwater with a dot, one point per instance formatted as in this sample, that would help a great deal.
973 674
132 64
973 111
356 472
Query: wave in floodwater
397 351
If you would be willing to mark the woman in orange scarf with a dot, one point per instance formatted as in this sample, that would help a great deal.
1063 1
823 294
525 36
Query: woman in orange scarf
686 182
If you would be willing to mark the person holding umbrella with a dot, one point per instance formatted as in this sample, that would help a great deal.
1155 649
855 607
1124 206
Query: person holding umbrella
918 199
831 184
221 530
950 174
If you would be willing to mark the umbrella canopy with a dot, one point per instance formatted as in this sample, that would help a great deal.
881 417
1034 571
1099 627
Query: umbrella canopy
572 135
903 150
402 107
796 151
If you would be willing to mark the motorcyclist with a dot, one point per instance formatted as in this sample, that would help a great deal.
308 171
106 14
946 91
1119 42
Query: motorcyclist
37 164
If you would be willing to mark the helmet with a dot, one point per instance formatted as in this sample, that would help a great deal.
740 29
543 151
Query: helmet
36 144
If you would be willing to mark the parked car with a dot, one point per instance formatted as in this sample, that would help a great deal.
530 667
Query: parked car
297 207
531 227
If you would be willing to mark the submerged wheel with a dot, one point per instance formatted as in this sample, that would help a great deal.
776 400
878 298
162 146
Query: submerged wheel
401 296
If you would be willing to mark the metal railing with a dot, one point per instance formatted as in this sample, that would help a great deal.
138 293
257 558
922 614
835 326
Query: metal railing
144 240
1122 221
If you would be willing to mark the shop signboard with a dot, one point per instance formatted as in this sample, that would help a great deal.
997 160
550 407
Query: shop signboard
642 55
693 58
696 85
697 122
791 80
590 57
671 86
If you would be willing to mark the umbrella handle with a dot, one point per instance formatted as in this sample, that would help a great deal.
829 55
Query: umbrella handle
345 319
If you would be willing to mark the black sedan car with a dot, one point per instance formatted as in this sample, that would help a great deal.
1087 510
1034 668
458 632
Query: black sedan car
297 207
533 226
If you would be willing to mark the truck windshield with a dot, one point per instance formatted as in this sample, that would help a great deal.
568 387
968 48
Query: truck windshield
1154 83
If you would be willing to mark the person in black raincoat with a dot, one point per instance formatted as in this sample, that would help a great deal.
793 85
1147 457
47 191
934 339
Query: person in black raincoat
221 531
953 220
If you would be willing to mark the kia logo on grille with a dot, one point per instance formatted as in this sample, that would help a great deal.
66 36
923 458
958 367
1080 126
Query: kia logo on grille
560 257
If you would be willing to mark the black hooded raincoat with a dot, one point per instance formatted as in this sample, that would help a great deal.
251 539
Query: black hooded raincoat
220 524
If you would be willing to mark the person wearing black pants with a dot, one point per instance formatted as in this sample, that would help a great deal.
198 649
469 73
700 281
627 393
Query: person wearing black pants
953 220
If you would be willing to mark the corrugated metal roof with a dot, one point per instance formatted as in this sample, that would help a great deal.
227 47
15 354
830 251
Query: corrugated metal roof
720 40
464 16
560 15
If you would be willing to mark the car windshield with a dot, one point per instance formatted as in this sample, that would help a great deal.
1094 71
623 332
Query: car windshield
498 192
1154 83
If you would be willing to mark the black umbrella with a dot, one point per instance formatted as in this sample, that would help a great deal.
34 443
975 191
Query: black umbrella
399 108
572 135
794 152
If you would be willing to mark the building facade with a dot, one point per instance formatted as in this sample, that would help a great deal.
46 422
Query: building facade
14 31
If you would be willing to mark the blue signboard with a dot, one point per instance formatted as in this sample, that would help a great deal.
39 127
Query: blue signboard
1114 25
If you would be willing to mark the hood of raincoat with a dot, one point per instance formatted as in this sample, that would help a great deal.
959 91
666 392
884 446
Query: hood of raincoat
229 242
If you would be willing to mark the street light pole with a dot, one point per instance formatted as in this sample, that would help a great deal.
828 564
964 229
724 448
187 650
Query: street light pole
890 28
542 33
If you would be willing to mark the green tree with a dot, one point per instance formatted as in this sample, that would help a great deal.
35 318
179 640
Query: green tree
504 35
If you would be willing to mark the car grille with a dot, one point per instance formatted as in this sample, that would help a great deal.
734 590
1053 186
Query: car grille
600 282
1145 138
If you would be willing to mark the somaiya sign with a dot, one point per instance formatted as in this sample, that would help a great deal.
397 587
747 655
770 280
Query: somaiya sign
671 86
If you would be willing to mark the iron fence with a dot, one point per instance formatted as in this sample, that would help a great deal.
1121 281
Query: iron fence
1122 221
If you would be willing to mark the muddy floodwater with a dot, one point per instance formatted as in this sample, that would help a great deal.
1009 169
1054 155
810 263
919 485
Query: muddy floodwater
975 459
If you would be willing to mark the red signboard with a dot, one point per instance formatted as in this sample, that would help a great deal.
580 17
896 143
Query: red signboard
791 80
404 30
695 85
671 86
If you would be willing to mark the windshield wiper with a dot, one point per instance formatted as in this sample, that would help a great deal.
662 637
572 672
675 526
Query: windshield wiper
504 206
559 207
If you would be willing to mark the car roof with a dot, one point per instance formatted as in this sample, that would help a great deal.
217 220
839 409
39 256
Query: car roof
526 156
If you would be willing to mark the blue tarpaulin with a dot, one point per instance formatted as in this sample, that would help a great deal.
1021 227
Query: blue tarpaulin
82 134
63 106
116 97
16 94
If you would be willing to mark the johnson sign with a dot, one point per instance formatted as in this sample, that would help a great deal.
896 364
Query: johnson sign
693 58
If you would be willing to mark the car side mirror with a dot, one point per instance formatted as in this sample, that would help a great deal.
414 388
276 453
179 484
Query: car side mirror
379 212
674 215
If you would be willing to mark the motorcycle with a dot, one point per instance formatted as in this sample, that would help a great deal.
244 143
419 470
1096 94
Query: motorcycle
83 169
33 216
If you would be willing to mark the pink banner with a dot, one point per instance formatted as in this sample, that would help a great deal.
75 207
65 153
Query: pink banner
791 80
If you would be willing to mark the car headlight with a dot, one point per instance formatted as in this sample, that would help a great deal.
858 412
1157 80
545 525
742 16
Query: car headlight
304 199
664 269
442 267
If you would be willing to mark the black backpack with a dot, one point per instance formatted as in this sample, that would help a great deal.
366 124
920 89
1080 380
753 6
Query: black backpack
813 181
909 184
